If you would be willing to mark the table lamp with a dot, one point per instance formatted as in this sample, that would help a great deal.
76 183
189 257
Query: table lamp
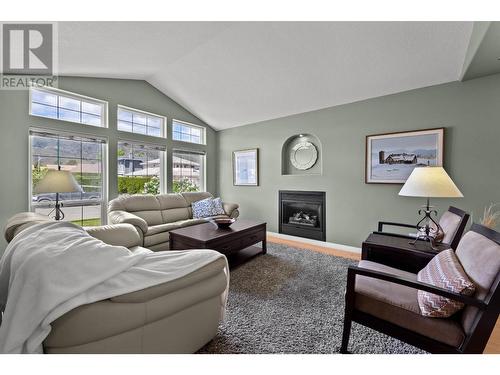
57 181
429 182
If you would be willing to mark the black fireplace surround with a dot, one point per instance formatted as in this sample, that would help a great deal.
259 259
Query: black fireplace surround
302 214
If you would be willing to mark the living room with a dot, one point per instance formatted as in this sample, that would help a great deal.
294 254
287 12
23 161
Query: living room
306 186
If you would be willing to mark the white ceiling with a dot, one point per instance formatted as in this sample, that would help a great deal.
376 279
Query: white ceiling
235 73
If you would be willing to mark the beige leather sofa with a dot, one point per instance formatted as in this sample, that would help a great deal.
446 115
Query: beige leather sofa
174 317
154 216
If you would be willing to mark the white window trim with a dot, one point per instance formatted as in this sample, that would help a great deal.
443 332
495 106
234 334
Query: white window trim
163 160
73 95
163 128
104 161
203 132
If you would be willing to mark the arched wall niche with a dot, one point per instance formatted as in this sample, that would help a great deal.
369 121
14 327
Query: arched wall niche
298 147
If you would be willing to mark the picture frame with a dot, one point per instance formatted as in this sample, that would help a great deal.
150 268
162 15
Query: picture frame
391 157
246 167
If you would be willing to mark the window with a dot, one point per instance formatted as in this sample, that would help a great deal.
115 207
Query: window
185 132
140 168
84 157
62 105
140 122
188 171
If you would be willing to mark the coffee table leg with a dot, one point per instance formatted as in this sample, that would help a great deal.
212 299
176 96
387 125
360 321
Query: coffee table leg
264 246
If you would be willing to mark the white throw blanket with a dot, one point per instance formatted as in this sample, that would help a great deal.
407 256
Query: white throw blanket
51 268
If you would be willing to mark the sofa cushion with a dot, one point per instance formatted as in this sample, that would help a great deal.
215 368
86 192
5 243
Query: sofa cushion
175 214
151 217
480 258
155 229
443 271
168 201
398 304
196 196
188 222
139 202
155 239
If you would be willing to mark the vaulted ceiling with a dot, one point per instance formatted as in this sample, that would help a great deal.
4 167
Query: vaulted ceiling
235 73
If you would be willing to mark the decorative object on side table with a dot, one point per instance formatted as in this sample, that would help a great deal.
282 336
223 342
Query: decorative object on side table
223 223
246 167
429 182
57 181
390 158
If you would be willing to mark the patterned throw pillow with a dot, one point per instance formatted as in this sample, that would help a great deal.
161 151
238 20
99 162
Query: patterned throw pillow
207 207
443 271
218 209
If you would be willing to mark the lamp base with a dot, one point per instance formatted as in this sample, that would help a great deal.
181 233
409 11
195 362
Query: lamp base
58 214
426 225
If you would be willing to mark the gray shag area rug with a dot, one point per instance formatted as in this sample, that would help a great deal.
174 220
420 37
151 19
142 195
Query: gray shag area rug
292 301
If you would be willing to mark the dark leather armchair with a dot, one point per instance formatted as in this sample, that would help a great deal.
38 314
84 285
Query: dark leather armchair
385 299
453 223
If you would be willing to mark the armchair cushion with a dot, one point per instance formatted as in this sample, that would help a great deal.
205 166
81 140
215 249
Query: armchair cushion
480 258
449 223
398 305
443 271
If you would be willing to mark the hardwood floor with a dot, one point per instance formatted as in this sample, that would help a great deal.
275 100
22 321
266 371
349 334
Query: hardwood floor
493 346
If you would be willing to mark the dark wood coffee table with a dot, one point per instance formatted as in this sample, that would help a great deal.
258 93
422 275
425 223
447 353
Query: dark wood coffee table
235 242
397 251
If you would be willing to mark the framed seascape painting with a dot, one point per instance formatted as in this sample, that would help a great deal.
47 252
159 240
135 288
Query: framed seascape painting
390 158
246 167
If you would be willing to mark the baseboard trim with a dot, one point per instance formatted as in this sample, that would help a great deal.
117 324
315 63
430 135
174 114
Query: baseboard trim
330 245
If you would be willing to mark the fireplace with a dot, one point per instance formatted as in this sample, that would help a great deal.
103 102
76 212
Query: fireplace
302 214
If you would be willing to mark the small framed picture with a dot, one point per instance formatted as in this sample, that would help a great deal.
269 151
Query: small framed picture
246 167
390 158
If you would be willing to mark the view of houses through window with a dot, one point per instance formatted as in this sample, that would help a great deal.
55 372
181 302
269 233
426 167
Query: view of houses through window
188 171
140 168
81 156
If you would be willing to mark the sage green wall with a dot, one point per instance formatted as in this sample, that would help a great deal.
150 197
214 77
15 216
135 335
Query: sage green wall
15 122
470 112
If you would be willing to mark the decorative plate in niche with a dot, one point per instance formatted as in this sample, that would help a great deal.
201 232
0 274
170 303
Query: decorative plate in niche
303 155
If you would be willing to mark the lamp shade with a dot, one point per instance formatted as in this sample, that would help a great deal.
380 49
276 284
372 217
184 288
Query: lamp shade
430 182
57 182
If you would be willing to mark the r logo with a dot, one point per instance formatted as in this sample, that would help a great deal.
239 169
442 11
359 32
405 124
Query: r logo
27 49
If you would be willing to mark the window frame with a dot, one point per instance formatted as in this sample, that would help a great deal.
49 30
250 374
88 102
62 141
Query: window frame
70 95
201 153
163 128
104 162
163 161
191 125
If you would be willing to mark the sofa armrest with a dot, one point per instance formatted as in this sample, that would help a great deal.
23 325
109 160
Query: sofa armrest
210 271
116 234
229 208
124 217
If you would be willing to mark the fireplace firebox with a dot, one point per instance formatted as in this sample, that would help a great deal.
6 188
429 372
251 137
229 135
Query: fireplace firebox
302 214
